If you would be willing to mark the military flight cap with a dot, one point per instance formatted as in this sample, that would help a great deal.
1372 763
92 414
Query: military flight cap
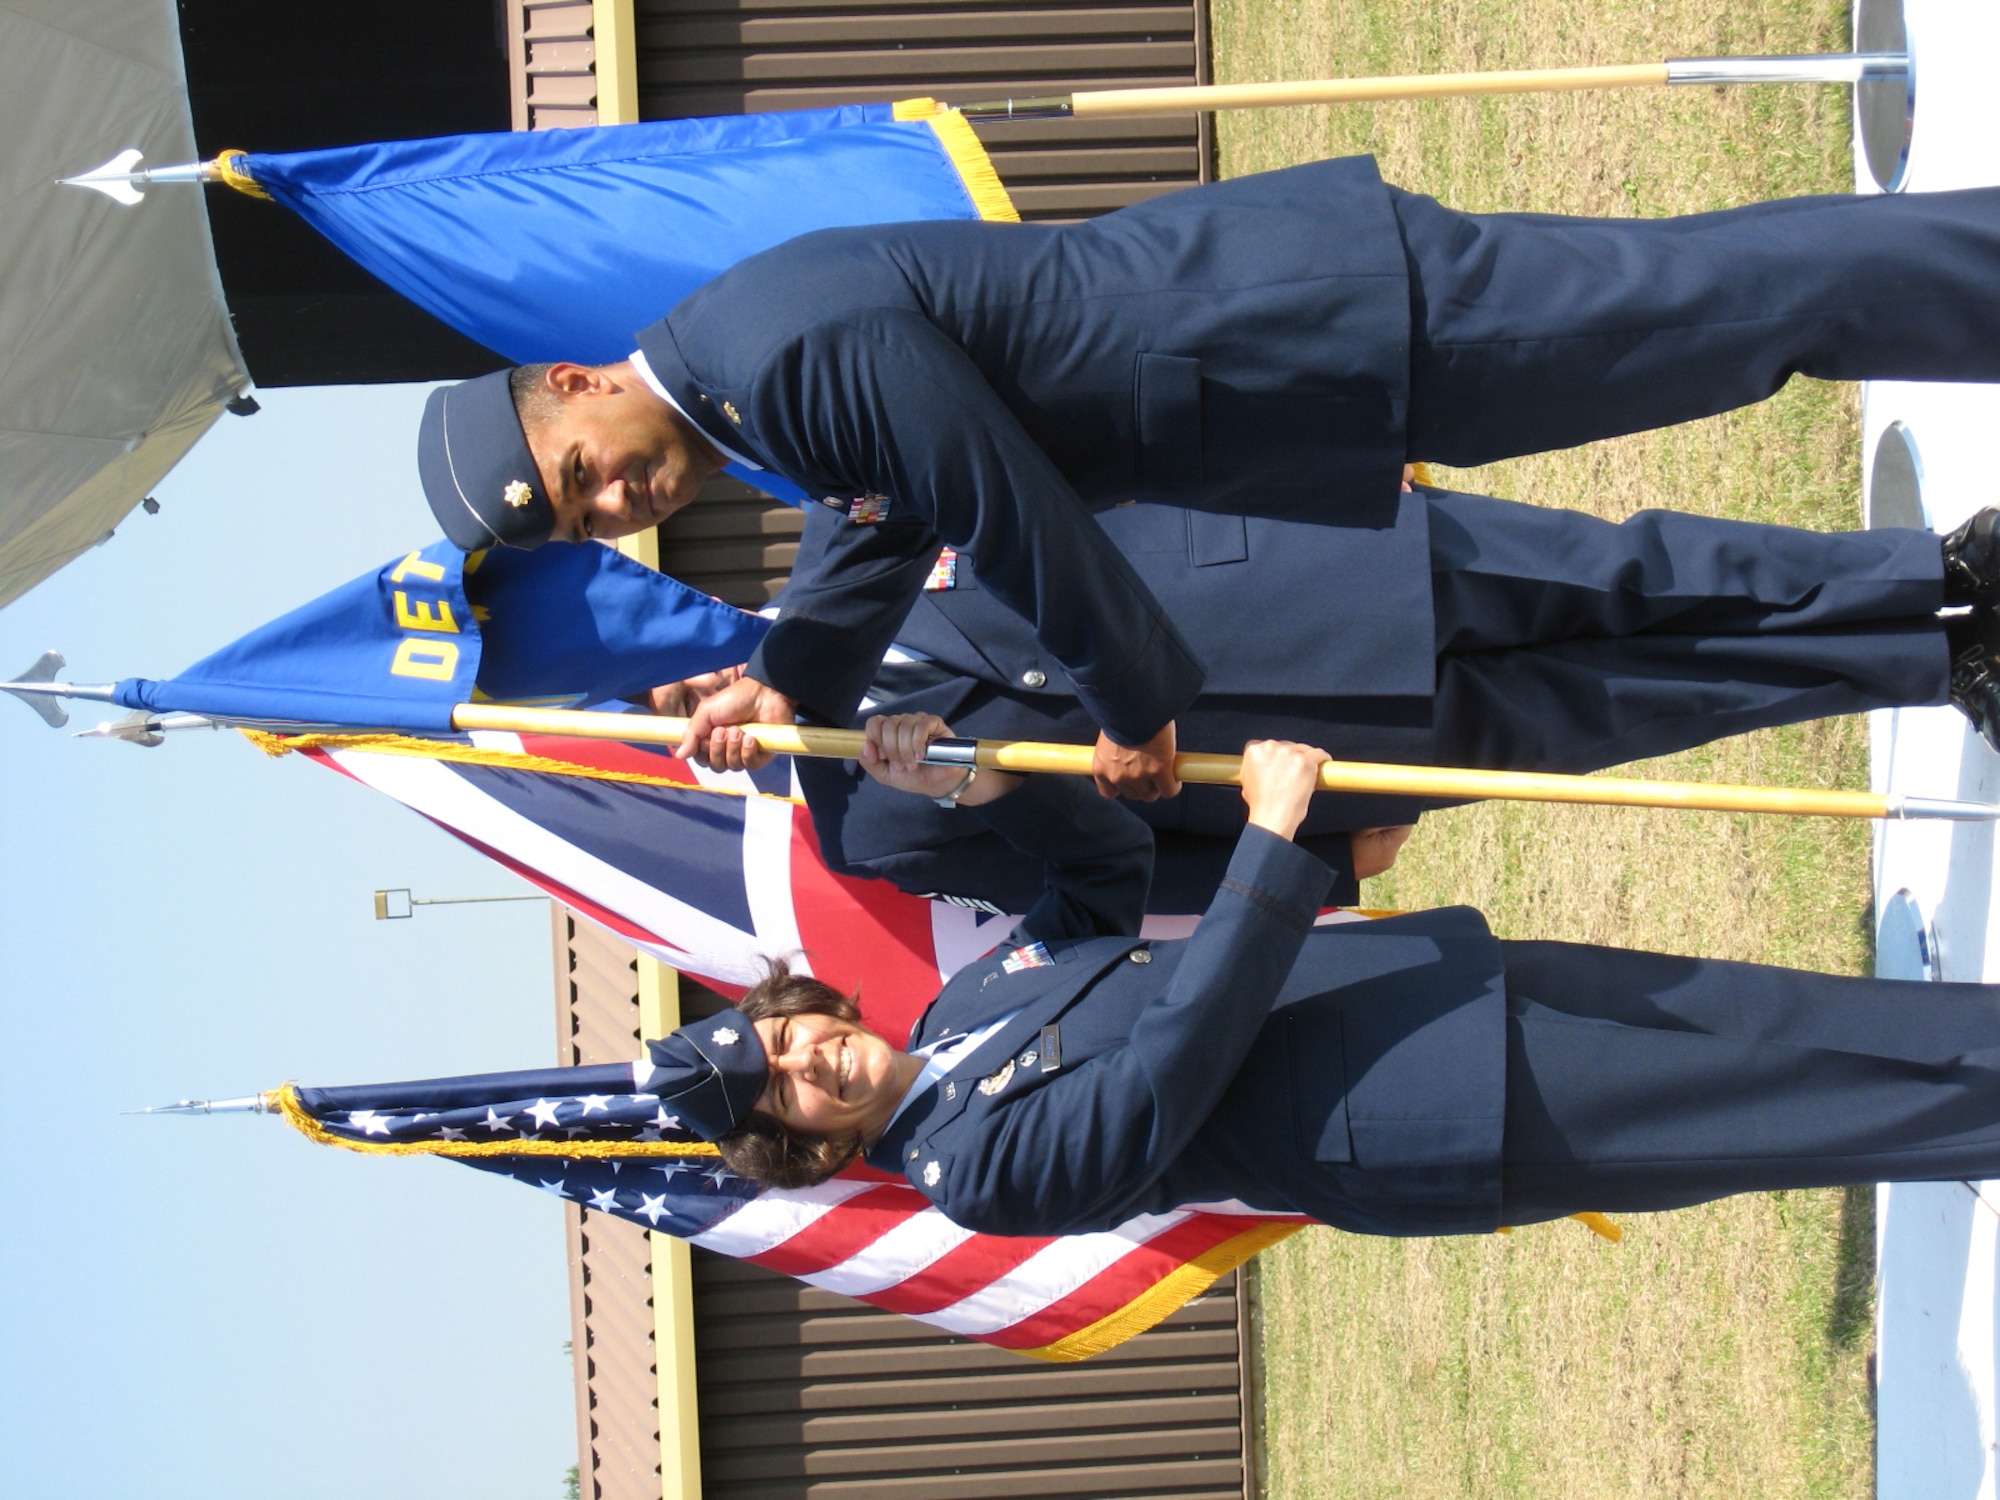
476 469
709 1073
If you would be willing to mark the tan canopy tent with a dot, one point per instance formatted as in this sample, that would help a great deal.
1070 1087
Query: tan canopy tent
116 351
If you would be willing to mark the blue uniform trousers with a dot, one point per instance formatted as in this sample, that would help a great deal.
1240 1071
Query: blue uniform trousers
1638 1082
1532 332
1567 643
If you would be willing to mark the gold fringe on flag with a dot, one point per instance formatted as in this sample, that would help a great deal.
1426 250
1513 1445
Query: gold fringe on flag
1181 1285
296 1116
975 167
472 755
1164 1297
230 165
1598 1224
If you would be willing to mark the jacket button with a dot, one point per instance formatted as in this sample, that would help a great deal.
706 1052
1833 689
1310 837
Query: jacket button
1140 956
1034 678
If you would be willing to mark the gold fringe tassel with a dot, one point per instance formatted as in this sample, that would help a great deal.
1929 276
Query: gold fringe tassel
1421 474
230 165
1598 1224
1164 1297
296 1116
974 166
470 755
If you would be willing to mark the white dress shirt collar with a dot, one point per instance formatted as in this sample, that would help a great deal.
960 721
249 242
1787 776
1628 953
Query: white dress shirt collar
653 382
944 1055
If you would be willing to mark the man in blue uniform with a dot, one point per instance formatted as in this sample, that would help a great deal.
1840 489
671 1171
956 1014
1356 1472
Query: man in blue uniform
1275 345
1412 1076
1369 644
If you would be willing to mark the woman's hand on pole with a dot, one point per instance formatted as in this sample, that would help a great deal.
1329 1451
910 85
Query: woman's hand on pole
893 754
1278 780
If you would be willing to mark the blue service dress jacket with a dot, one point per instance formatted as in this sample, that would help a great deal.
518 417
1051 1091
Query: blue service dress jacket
1243 347
1273 345
1355 1073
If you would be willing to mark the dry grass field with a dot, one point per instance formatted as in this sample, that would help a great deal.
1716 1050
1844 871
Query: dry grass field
1720 1351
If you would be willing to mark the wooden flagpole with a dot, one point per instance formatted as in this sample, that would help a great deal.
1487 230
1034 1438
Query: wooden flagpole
1335 776
1107 103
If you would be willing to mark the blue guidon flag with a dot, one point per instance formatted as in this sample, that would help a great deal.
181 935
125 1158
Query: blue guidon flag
398 647
562 244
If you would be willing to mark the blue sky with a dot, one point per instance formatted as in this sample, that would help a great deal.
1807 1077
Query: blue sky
215 1307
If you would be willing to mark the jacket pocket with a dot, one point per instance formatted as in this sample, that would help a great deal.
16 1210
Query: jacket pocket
1167 392
1214 539
1319 1084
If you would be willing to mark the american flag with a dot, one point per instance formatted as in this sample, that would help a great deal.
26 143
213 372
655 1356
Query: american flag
709 872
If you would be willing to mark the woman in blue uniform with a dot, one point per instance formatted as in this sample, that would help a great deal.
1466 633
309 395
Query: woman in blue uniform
1413 1075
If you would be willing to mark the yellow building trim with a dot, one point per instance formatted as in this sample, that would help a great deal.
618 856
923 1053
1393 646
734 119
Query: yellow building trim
659 998
642 547
616 62
673 1285
615 54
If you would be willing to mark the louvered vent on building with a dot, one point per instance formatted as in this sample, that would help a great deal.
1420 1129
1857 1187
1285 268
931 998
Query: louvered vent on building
809 1396
720 57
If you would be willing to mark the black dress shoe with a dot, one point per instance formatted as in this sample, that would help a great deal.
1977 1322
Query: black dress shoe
1972 561
1975 671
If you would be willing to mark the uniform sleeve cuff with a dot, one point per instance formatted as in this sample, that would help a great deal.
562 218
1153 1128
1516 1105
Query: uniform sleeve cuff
814 664
1138 703
1279 876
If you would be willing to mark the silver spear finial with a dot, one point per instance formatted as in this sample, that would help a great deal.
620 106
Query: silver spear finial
255 1104
144 727
121 178
38 688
